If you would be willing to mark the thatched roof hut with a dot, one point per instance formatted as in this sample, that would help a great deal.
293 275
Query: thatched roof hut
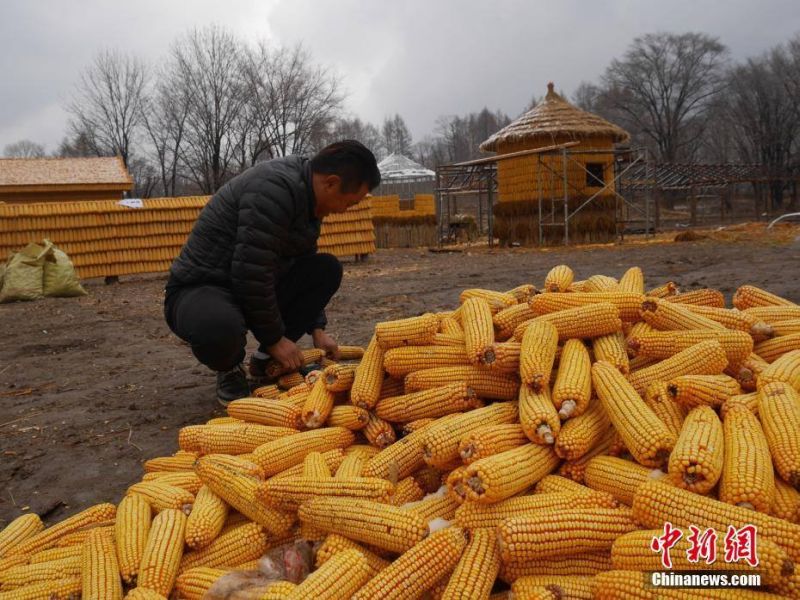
553 121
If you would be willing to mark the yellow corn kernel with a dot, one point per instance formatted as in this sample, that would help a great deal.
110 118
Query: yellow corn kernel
779 411
538 415
131 529
100 574
273 412
618 477
19 530
163 552
704 358
580 434
573 386
537 355
414 331
206 520
503 475
366 387
477 569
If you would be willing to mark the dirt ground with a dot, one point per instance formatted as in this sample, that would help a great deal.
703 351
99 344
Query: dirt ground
91 387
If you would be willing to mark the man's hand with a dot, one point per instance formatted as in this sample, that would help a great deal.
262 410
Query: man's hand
325 342
286 352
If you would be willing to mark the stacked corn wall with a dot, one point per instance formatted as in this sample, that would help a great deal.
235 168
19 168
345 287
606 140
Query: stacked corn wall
398 226
522 181
105 239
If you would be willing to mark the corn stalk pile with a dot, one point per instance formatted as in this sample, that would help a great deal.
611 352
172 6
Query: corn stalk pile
525 445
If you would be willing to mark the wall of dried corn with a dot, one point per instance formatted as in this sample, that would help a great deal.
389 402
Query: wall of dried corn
104 239
403 224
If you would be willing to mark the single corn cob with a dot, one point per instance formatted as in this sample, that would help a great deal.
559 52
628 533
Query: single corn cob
486 384
183 479
477 569
644 434
785 502
77 538
738 345
509 318
51 554
222 421
401 459
383 525
415 331
194 583
702 297
143 594
523 292
584 564
576 469
618 477
47 538
735 320
338 578
350 352
242 463
399 362
627 303
318 405
131 529
450 327
68 588
333 459
573 386
503 475
277 413
656 502
749 296
538 415
434 507
611 349
19 530
748 371
339 377
379 432
288 493
632 281
351 466
419 569
366 387
632 551
472 515
271 392
407 490
747 476
288 451
779 411
691 391
786 327
242 543
671 413
180 461
580 434
290 381
433 402
785 369
27 574
163 552
589 321
664 291
555 533
698 456
496 300
348 416
668 316
551 586
100 569
314 465
239 438
537 354
189 437
161 496
503 357
559 279
601 283
440 441
705 358
335 544
490 440
773 349
239 490
206 519
478 328
298 394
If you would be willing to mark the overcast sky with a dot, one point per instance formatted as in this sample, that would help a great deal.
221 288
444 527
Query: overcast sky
421 59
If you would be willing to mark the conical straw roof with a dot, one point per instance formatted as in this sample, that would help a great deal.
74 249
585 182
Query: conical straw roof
554 120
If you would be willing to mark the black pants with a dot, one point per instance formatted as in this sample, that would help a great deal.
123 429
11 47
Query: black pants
210 320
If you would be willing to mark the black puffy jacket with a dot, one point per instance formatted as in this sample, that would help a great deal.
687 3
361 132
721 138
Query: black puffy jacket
247 236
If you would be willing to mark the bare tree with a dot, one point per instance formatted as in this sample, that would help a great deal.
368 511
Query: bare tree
663 87
396 136
24 149
205 67
355 129
292 101
107 106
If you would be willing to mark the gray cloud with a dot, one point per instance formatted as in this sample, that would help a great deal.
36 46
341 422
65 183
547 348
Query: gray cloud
421 59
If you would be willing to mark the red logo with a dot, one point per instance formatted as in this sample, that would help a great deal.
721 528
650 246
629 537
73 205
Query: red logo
702 545
665 542
741 544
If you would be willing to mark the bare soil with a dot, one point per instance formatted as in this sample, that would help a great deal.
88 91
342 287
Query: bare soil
91 387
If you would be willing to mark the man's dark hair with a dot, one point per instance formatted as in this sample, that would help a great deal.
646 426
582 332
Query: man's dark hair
350 160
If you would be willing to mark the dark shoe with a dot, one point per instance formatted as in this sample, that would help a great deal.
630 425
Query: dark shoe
232 385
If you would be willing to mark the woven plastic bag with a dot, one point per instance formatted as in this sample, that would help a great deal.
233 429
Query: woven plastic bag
24 273
59 275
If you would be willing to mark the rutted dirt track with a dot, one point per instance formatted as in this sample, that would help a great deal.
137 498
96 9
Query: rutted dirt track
90 387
